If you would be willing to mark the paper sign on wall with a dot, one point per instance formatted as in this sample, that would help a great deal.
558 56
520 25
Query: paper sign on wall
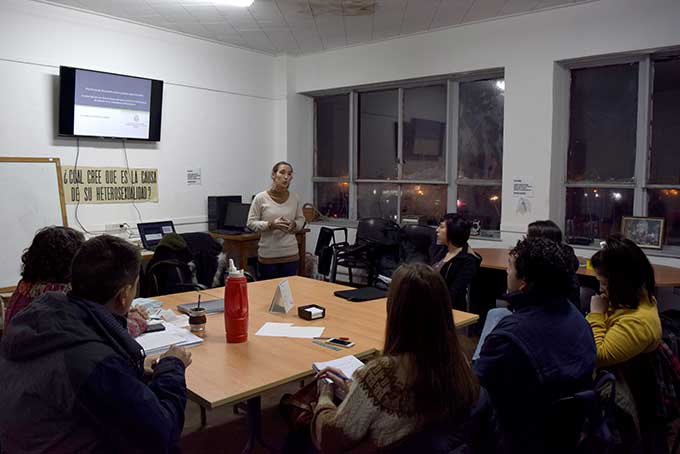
283 299
523 187
194 177
109 185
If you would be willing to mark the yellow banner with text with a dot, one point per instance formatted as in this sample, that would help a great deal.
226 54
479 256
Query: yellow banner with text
109 185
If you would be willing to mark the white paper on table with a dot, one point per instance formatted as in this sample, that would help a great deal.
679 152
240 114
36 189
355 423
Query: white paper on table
273 329
178 320
288 330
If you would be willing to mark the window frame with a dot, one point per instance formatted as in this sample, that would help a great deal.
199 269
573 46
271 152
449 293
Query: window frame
643 150
450 180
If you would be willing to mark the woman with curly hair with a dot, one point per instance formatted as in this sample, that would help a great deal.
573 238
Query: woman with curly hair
543 351
46 267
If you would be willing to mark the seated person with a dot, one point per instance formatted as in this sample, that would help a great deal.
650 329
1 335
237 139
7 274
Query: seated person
421 377
548 229
46 267
457 262
72 375
541 352
537 229
624 317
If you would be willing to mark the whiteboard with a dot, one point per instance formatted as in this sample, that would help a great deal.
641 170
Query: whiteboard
32 198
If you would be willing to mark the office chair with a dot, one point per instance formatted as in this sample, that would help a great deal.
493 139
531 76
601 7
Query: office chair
579 423
169 276
326 246
375 250
416 243
204 253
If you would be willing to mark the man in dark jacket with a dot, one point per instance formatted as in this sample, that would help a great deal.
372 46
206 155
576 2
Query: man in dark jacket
72 377
542 352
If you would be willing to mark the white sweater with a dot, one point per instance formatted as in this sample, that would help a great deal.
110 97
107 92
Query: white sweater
275 243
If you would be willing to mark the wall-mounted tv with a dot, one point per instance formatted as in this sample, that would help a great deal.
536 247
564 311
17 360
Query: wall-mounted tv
106 105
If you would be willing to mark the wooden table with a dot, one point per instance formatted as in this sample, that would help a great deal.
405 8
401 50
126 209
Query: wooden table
223 374
244 245
666 276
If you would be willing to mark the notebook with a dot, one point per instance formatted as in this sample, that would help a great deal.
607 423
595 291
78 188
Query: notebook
347 365
210 306
160 341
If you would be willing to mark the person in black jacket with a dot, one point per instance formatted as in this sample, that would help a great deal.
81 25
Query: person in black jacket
456 262
542 352
73 378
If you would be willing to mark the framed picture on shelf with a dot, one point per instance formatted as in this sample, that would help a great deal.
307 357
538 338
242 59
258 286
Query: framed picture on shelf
645 232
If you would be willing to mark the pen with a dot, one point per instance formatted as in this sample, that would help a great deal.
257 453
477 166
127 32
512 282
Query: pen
326 338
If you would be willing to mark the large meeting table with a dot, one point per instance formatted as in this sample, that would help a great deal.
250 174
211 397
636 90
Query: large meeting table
666 276
226 374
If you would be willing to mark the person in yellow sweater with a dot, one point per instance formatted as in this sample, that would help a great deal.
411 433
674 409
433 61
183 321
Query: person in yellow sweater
624 316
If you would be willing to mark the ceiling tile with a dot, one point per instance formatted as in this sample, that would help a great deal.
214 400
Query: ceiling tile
302 26
451 12
359 29
419 15
484 9
519 6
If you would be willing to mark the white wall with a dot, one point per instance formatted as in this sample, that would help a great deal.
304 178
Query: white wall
527 47
218 107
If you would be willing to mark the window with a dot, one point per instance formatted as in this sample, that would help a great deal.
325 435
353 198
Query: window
480 152
386 152
622 160
331 142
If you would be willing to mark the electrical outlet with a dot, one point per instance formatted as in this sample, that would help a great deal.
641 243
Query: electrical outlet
114 227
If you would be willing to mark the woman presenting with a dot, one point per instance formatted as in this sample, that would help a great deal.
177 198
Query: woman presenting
277 214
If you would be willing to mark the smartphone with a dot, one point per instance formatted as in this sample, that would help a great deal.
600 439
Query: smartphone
340 342
154 327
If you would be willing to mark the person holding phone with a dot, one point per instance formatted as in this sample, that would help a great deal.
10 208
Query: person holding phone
277 215
421 378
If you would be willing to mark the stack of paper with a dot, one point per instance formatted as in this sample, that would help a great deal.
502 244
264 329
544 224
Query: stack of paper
347 365
151 305
160 341
288 330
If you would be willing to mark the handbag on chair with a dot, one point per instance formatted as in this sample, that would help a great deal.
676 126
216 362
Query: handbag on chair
297 409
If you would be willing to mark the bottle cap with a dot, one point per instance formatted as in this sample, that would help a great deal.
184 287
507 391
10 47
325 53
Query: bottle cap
233 272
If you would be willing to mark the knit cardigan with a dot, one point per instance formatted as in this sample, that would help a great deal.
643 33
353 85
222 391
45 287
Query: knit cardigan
378 411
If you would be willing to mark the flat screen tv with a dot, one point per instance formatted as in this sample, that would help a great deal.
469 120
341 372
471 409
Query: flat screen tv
106 105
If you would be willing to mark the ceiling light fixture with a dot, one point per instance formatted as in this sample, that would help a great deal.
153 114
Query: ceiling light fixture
242 3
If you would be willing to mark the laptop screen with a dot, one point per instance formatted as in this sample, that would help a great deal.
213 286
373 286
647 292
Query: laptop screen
152 232
236 215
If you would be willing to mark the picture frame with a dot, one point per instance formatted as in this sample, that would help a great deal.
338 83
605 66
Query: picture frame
645 232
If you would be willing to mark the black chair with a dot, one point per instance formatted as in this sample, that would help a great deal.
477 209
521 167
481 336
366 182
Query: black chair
417 243
580 423
375 250
168 276
326 245
204 252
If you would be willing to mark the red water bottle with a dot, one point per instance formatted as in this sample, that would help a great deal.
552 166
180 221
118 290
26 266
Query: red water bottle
236 305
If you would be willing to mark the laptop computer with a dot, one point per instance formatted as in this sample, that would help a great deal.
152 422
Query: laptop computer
235 219
152 232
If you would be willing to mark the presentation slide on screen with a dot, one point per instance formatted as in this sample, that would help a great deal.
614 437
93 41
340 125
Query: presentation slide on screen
111 106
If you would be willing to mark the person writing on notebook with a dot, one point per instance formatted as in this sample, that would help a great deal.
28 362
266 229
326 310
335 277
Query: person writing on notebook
72 376
422 377
277 215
